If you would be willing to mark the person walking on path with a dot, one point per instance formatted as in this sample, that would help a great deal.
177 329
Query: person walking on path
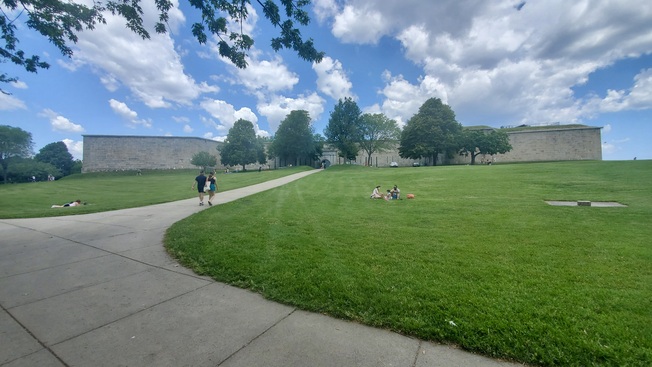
200 181
212 188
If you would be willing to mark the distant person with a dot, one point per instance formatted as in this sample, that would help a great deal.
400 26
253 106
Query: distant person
72 203
200 181
212 188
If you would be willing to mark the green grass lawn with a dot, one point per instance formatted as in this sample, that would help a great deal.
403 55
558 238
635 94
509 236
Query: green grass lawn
116 190
477 259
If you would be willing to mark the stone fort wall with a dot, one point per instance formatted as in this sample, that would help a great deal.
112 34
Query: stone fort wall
113 153
567 144
117 153
531 145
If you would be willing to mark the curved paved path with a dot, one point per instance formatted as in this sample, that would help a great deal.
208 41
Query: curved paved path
100 290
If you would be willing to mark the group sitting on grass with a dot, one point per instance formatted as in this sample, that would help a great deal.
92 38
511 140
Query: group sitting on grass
393 194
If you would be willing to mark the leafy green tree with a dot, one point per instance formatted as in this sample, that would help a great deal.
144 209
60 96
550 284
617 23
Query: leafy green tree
433 130
14 142
57 155
343 130
22 170
293 141
478 141
60 21
260 149
379 134
77 166
242 147
203 160
318 141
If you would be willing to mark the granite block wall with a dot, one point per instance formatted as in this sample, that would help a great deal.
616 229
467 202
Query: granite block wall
114 153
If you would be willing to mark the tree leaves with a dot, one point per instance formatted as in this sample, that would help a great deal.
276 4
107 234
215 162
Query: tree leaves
431 131
294 139
60 21
14 142
343 129
242 147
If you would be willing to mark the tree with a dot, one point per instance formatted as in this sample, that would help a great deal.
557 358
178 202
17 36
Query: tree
378 134
477 141
294 139
14 142
241 146
57 155
22 170
343 130
318 142
60 21
204 160
261 157
76 166
431 131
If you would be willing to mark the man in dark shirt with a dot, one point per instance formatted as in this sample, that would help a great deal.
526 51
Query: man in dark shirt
200 181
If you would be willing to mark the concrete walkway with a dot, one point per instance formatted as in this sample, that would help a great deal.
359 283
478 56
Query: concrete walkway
100 290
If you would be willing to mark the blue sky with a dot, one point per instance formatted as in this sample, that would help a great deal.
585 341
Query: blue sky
587 62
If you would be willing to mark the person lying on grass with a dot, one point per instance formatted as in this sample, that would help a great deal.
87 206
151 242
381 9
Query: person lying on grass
73 203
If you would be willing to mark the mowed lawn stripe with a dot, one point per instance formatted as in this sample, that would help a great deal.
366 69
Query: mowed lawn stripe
477 259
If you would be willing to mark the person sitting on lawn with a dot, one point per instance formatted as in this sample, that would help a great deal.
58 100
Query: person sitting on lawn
376 194
396 193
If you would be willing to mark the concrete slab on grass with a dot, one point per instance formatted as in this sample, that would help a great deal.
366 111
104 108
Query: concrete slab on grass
598 204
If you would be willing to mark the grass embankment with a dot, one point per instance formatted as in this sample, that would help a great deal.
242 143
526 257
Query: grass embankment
116 190
477 259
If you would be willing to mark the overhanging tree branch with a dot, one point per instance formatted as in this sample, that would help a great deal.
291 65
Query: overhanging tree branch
60 21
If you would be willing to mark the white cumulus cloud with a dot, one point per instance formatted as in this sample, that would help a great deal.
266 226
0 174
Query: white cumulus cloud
60 123
332 80
227 115
151 69
9 103
122 110
277 107
75 148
